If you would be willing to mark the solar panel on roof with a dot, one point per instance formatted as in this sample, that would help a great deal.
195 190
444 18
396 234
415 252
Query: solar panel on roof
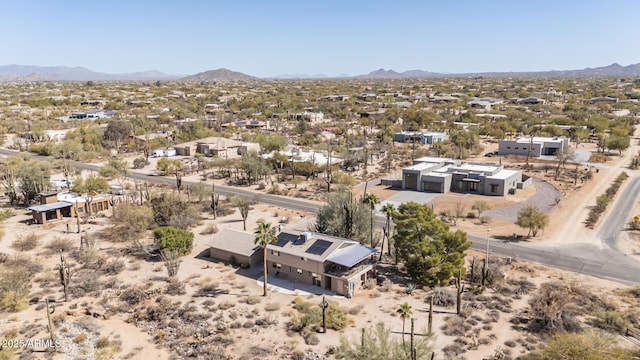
318 247
284 238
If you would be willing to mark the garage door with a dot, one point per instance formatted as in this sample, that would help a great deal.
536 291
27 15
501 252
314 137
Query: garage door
411 182
432 187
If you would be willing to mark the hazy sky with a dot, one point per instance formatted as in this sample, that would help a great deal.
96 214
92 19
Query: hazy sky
271 37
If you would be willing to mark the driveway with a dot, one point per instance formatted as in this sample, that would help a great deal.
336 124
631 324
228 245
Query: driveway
544 199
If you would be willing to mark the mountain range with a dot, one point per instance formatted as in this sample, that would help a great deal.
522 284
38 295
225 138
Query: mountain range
64 73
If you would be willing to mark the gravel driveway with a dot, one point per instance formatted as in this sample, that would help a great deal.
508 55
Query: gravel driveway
544 199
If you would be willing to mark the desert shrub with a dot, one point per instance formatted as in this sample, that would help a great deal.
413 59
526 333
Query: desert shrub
453 350
139 163
84 283
611 320
6 213
635 291
175 287
226 305
443 296
210 288
57 244
252 300
26 263
553 309
522 286
113 267
355 310
587 345
311 339
211 228
90 258
455 326
510 343
309 317
14 289
26 243
272 307
133 295
80 338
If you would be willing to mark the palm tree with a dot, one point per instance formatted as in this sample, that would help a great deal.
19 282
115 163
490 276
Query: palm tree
265 235
372 200
388 210
405 312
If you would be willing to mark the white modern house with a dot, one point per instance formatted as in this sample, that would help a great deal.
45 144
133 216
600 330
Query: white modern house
536 146
441 175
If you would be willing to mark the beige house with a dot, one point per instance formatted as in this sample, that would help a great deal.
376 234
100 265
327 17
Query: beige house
236 247
333 263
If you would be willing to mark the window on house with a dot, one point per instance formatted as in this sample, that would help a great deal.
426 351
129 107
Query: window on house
494 188
303 259
299 271
275 253
277 266
509 147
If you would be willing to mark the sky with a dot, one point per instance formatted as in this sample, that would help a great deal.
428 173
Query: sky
267 38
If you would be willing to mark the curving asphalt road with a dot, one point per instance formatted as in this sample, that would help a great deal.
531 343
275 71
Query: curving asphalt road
586 259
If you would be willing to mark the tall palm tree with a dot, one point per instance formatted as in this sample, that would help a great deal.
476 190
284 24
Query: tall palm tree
372 200
388 210
405 312
265 235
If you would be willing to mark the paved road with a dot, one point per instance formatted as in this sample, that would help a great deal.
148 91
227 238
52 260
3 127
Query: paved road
586 259
620 213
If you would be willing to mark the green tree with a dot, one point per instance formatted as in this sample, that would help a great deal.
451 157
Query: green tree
168 166
532 218
371 200
93 183
117 131
14 289
265 235
343 217
254 166
172 210
405 312
169 238
431 254
619 143
115 168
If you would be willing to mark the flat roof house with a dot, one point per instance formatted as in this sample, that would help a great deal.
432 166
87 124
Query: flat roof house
422 137
441 175
329 262
55 206
536 146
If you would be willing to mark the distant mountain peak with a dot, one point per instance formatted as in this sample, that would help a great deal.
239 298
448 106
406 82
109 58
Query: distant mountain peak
75 73
220 74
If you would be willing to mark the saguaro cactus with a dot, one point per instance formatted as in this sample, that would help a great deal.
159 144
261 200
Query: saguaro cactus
324 305
65 275
459 291
50 309
430 314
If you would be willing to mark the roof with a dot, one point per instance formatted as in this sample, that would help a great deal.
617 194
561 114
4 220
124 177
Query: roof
317 248
48 207
234 241
351 255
